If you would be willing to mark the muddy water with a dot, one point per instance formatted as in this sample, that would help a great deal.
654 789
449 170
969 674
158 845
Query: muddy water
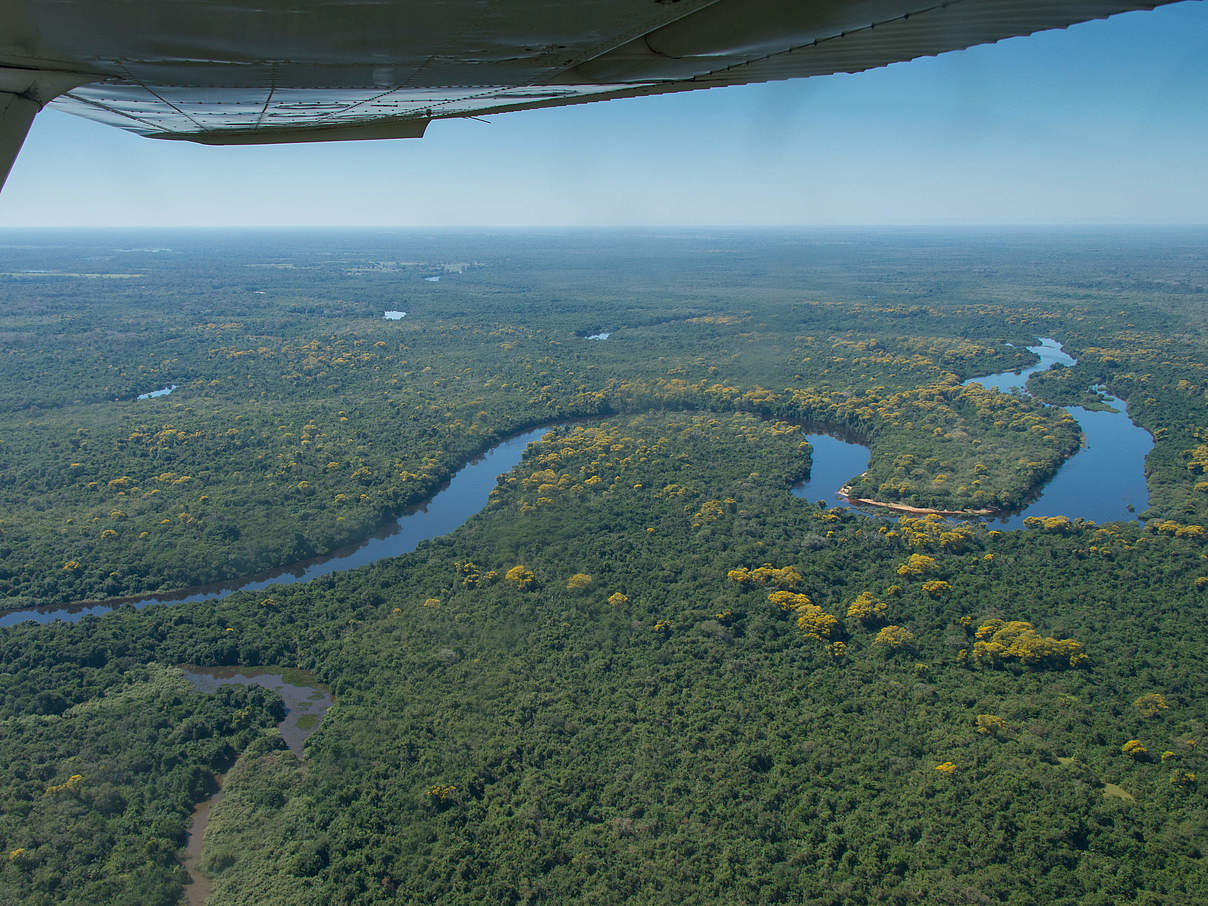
306 701
198 890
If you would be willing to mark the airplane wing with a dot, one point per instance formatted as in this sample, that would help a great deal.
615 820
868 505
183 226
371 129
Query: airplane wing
260 71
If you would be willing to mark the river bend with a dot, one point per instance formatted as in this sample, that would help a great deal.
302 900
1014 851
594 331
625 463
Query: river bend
1104 481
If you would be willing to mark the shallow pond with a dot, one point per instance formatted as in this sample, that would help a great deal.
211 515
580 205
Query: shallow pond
306 701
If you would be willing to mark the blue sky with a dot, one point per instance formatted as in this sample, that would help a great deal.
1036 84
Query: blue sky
1106 122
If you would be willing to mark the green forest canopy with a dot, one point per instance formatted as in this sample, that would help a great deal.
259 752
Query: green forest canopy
644 673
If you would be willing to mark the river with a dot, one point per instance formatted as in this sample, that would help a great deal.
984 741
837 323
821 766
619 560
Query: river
1049 352
464 495
1104 481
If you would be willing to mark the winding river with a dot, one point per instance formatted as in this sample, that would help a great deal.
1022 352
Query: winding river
1104 481
1049 353
464 495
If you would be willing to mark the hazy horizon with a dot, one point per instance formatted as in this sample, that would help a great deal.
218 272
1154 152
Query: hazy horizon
692 228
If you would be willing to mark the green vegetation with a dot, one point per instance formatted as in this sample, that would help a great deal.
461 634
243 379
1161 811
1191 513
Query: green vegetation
95 794
302 423
644 673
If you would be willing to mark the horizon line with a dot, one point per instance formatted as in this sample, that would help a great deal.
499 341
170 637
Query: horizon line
1047 225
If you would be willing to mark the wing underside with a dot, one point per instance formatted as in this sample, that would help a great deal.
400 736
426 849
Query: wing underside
229 71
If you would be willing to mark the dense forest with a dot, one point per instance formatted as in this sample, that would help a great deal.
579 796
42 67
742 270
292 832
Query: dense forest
644 673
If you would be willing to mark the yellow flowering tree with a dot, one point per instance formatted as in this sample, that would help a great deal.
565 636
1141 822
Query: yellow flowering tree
866 609
1134 749
784 577
521 576
918 565
1151 704
991 725
1000 642
893 637
812 620
815 622
578 582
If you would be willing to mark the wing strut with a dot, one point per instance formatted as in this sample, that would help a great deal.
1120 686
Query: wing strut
23 92
16 116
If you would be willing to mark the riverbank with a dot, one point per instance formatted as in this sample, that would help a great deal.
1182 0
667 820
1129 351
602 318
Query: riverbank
845 494
1089 484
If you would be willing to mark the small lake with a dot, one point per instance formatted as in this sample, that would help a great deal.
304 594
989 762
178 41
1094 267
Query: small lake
156 394
394 315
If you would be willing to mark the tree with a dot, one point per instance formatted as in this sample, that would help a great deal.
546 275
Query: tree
893 637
